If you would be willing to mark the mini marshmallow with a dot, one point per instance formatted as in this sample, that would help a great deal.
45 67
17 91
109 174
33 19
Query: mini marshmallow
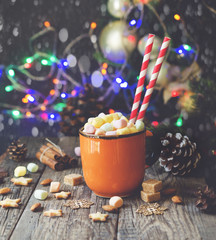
89 128
90 120
20 171
40 194
116 202
97 122
133 130
115 116
108 118
123 131
121 123
77 151
130 124
100 132
107 127
110 133
101 115
139 125
119 113
123 117
54 187
32 167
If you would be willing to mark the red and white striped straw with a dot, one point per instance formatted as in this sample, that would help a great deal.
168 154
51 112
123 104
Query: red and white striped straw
153 79
142 76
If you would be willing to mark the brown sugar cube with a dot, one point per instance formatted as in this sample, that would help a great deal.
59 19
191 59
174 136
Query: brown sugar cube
54 187
73 179
150 197
152 185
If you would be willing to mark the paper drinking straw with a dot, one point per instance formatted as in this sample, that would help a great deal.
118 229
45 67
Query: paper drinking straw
142 76
153 79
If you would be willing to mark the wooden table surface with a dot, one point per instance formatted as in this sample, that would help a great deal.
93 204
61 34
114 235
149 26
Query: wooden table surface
178 222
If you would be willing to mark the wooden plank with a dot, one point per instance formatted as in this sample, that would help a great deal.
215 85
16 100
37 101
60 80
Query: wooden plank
75 224
10 217
179 222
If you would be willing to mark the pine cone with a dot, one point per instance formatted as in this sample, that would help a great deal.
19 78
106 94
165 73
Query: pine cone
178 154
17 151
78 110
206 199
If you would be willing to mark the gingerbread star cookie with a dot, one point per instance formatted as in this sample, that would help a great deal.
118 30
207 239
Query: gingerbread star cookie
53 213
98 217
21 181
13 203
62 195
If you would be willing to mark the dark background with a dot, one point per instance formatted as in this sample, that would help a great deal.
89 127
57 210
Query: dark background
20 19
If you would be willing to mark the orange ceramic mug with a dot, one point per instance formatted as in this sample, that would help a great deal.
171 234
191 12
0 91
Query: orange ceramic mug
113 165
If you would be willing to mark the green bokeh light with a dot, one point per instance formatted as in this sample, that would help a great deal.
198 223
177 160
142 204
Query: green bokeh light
179 122
11 72
44 62
59 106
9 88
187 47
16 113
29 59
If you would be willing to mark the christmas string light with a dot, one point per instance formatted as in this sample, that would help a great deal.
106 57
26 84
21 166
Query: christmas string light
179 122
59 69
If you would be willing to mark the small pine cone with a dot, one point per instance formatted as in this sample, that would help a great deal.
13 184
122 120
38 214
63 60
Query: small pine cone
178 154
206 199
17 151
79 109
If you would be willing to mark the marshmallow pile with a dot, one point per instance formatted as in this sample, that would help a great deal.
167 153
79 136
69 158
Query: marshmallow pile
111 125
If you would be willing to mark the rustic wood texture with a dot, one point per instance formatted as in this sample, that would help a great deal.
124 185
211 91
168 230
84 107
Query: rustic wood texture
10 217
178 222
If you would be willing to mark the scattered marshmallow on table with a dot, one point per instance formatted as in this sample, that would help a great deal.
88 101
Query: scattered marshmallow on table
40 194
116 201
77 151
20 171
32 167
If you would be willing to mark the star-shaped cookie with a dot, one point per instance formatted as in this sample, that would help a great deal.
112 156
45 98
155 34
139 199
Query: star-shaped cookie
21 181
10 203
62 195
98 217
